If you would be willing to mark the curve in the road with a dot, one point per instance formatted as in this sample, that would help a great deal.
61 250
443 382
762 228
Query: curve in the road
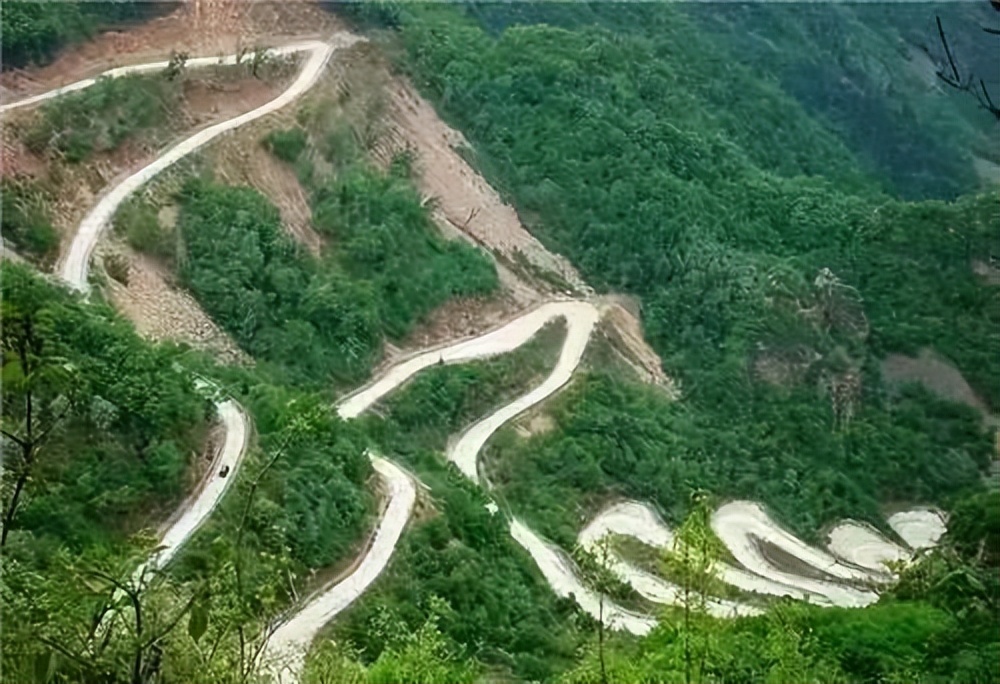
285 652
75 265
742 526
74 269
921 528
196 510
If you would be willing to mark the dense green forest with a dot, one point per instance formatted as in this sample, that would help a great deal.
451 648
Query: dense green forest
91 452
34 31
863 70
315 319
622 438
778 256
116 431
778 187
627 160
100 432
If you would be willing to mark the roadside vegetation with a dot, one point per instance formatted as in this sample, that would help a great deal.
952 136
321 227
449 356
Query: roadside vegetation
91 449
34 31
72 142
101 118
772 275
146 108
613 438
778 253
458 563
104 434
314 320
27 224
322 320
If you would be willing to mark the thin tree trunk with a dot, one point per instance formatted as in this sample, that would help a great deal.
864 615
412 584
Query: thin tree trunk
237 566
687 617
600 639
22 479
137 662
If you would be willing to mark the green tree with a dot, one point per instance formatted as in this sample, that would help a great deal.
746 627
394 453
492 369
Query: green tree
595 565
692 562
40 387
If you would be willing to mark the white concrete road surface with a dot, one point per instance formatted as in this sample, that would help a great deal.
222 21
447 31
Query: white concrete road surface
858 551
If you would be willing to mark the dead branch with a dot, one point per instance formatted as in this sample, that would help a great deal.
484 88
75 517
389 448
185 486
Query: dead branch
954 80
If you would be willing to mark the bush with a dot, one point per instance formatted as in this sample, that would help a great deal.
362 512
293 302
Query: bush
322 319
117 267
138 223
286 145
102 117
26 222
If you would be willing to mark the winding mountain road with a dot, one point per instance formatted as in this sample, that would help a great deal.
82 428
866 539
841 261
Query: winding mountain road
840 577
76 264
75 268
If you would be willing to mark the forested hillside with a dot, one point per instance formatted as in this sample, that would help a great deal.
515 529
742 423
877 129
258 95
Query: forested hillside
784 193
783 236
90 453
104 433
771 276
865 71
314 319
741 224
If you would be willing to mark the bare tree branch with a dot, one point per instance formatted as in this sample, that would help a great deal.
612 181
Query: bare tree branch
954 78
947 51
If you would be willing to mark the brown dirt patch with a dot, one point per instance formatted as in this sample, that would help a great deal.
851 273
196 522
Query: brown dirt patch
462 317
463 198
625 333
240 159
159 311
209 95
987 273
936 374
534 424
199 27
786 562
214 94
784 367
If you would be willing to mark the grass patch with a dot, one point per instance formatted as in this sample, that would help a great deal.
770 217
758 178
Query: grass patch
26 221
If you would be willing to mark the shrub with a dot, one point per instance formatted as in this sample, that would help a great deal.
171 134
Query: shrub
26 222
286 145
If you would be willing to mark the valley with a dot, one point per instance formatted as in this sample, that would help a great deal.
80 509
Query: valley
417 386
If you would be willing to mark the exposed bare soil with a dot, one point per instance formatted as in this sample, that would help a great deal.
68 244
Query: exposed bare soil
988 273
534 424
463 197
625 332
199 27
209 96
786 562
241 159
936 374
160 311
389 115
